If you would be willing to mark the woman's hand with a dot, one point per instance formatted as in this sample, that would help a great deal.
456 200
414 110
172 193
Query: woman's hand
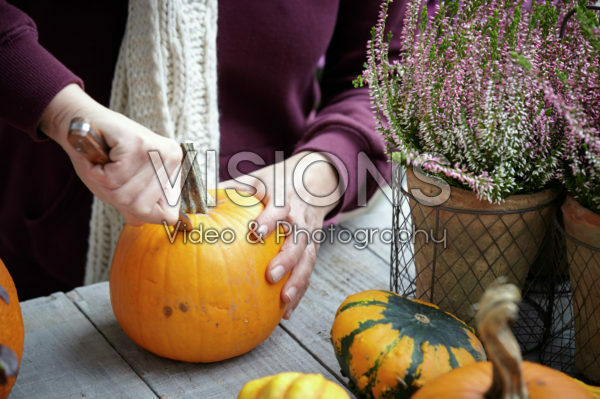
302 202
129 181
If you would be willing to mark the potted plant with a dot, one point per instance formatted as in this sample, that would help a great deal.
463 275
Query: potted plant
458 104
575 92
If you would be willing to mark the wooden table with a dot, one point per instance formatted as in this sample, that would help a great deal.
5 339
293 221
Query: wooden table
74 347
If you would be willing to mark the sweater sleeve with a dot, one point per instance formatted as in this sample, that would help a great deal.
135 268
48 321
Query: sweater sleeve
30 76
344 125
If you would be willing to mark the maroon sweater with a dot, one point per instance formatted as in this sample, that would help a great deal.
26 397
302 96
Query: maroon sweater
268 52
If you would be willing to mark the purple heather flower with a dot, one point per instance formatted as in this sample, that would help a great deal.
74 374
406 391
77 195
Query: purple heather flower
492 88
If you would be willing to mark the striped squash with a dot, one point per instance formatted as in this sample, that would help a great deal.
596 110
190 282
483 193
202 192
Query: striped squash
389 346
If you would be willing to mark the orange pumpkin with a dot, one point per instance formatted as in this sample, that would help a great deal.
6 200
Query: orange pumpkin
506 375
593 390
473 382
12 332
190 296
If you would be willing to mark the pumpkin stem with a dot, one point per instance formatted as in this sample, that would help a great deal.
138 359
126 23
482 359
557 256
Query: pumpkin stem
498 310
193 196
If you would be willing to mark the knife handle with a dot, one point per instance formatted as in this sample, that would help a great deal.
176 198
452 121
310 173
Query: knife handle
88 141
91 144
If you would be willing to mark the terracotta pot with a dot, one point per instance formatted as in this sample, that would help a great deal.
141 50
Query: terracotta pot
483 241
584 271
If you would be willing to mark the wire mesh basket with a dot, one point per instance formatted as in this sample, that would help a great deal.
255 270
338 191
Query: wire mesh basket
448 254
573 345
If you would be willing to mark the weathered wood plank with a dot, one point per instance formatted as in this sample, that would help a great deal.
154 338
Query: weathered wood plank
341 270
66 357
375 220
172 379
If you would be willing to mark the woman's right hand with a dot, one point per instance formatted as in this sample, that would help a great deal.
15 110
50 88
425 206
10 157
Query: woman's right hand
129 182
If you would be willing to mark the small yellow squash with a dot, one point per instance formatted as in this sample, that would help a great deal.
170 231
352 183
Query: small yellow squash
292 385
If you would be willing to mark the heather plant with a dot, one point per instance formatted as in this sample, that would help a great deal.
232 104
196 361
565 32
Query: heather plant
461 99
575 93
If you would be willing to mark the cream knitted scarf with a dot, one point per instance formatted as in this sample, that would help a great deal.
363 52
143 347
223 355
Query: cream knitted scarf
165 79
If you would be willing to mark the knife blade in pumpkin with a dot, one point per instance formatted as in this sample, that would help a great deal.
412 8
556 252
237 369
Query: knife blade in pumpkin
90 143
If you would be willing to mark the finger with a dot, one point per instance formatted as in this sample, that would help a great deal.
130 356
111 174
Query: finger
151 207
79 160
168 172
170 194
130 219
238 191
236 185
245 185
101 176
92 175
116 174
290 254
126 195
268 220
171 213
135 219
132 157
143 197
95 176
299 281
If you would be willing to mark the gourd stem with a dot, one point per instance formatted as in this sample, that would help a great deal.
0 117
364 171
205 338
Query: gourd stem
498 310
193 195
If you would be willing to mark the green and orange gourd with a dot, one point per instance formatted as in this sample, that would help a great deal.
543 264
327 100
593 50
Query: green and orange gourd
197 302
390 346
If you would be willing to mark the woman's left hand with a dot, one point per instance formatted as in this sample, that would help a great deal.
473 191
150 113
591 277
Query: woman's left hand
300 199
